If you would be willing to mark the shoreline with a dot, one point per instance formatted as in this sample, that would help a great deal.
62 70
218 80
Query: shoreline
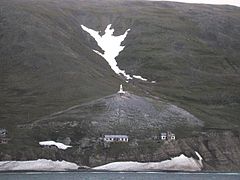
110 171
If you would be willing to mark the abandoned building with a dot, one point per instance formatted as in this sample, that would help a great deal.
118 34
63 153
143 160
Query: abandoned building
163 136
167 136
3 132
115 138
3 136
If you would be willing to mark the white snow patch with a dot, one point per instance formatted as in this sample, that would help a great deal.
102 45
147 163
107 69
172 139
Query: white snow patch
179 163
139 77
53 143
37 165
199 157
111 45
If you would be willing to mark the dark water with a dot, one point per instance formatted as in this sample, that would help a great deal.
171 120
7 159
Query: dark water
118 176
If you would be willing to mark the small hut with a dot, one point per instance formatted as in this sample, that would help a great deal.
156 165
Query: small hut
167 136
3 132
3 136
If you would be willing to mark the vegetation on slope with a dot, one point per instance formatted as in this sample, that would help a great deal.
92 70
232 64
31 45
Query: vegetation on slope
47 62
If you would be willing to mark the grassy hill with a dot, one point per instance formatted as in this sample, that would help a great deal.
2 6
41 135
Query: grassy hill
47 62
54 87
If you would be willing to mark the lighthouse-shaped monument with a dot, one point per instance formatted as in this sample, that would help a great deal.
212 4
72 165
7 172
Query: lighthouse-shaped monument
121 91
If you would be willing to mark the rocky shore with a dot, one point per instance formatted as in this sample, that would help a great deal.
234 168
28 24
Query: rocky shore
220 151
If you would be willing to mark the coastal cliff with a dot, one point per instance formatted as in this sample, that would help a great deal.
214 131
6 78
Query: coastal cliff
220 151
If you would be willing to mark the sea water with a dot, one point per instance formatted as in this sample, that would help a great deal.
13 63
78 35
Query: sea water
117 176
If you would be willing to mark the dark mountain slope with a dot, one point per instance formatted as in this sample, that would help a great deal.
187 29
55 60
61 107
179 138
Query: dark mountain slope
47 65
190 50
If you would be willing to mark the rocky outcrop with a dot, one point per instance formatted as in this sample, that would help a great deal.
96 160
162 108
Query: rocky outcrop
220 151
119 113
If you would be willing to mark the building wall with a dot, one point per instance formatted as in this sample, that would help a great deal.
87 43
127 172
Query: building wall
116 139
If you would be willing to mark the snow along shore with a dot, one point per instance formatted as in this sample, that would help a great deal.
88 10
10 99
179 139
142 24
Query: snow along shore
53 143
179 163
37 165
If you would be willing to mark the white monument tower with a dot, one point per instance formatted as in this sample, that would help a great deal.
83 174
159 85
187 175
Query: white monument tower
121 91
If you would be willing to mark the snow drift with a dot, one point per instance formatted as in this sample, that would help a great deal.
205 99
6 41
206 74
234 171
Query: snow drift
179 163
37 165
53 143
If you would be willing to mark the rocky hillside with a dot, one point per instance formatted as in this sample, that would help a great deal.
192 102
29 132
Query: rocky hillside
220 151
53 86
117 114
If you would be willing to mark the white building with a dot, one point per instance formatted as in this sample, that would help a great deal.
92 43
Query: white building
171 136
167 136
163 136
115 138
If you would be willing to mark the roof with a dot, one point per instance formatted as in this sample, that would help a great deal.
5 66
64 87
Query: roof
163 134
115 136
